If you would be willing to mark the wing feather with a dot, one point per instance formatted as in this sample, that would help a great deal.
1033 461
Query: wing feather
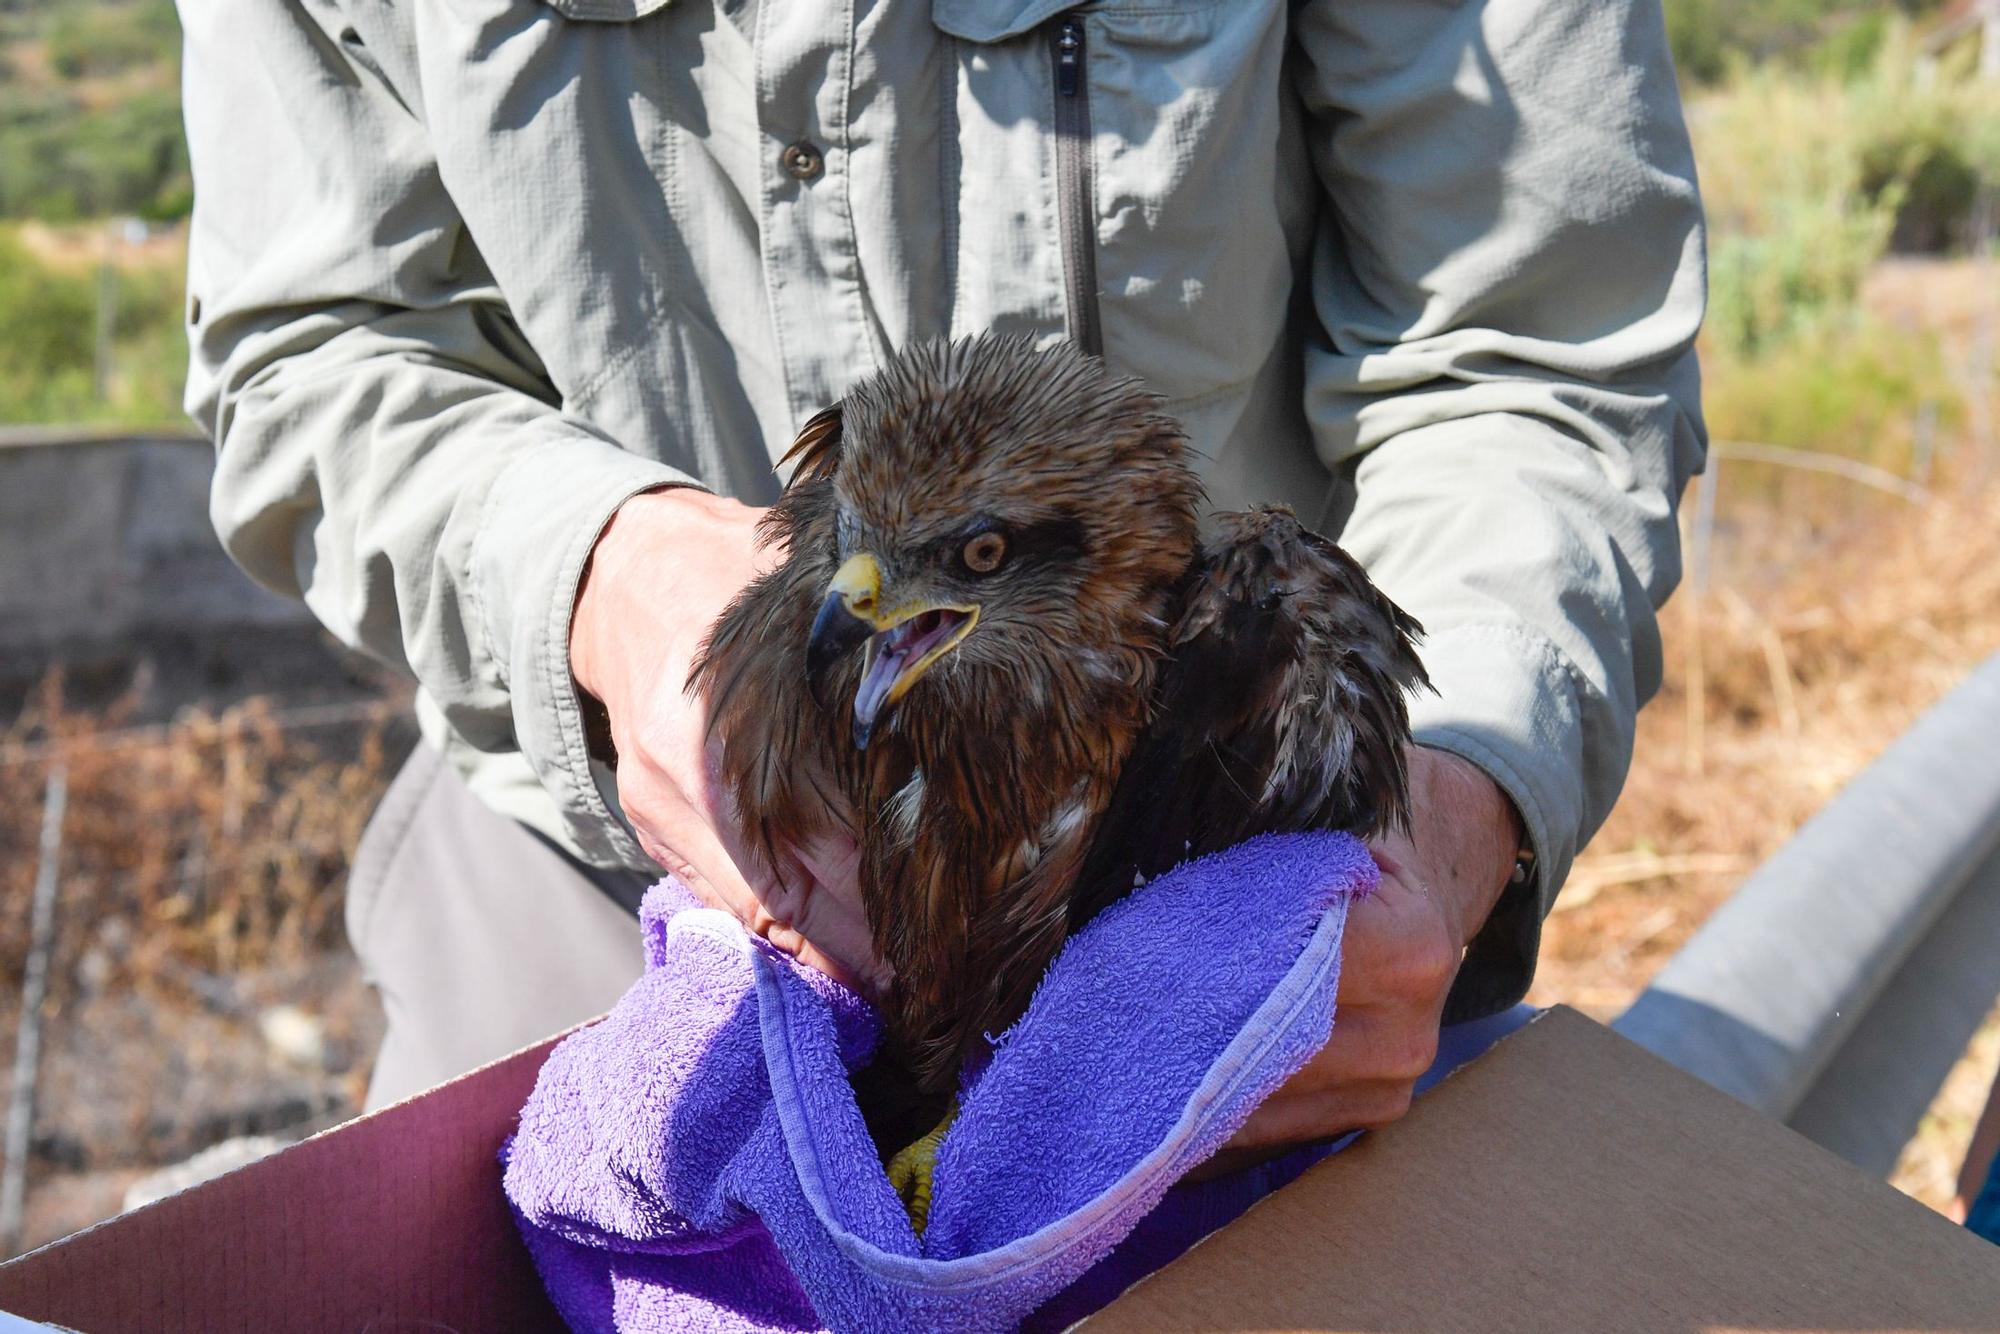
1282 707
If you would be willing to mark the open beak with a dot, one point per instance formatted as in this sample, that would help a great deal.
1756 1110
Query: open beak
901 642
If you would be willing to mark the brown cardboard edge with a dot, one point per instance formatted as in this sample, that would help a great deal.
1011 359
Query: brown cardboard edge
238 1251
1652 1202
1435 1089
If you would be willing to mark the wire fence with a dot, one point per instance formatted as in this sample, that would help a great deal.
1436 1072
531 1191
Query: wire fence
304 718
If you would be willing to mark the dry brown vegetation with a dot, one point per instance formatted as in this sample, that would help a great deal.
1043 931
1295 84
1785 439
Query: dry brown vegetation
200 871
1808 654
1832 617
211 840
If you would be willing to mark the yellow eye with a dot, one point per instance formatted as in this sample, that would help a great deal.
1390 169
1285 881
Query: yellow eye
983 554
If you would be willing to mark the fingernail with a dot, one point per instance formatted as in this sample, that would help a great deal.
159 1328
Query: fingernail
784 939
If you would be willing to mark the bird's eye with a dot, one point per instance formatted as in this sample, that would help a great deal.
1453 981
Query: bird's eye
983 554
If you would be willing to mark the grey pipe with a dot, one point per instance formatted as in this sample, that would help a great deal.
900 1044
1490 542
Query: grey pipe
1764 997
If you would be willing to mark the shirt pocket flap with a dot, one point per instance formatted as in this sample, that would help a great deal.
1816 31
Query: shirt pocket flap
605 11
993 20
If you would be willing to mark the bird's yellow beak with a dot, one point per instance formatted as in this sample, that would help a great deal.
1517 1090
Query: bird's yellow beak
858 585
904 640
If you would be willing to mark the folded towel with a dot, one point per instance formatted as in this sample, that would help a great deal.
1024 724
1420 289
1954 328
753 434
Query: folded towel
697 1159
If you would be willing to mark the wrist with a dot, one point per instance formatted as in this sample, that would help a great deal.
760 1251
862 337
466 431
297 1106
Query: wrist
1475 834
632 553
661 572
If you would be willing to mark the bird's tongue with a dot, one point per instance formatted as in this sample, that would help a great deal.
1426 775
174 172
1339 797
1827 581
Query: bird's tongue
891 652
884 666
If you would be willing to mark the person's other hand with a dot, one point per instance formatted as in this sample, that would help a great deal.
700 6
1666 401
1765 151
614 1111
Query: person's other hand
1399 956
662 572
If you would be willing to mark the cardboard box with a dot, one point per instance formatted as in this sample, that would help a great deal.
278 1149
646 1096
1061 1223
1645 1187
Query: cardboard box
1570 1180
1565 1181
390 1222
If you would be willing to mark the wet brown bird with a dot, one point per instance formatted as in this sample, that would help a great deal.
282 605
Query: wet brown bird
1001 658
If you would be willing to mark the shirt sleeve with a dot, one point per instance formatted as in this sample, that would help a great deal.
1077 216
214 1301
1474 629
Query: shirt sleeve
388 446
1508 280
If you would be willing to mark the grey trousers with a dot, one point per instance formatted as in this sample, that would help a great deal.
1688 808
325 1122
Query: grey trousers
480 936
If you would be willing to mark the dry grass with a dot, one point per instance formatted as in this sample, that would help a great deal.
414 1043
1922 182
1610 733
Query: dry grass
216 843
1807 675
200 886
1833 617
1809 654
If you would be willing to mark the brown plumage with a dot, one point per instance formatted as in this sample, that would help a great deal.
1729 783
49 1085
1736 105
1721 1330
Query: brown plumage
1000 657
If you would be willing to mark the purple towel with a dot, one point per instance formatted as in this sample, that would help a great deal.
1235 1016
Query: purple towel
697 1160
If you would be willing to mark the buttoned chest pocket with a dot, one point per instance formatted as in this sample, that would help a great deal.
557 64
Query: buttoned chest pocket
605 11
1130 173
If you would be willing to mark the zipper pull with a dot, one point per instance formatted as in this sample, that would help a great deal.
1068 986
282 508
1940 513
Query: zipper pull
1069 55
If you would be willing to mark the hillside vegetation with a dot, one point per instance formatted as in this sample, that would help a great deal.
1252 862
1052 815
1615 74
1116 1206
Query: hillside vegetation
90 111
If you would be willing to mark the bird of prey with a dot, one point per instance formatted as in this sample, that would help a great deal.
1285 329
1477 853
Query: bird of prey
1003 659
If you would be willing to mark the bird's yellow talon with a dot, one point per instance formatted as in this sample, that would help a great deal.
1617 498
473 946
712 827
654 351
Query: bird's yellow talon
910 1171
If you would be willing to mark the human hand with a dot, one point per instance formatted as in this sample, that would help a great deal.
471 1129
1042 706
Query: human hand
1400 953
662 572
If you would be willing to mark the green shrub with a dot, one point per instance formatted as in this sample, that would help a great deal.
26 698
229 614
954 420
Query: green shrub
59 162
1851 48
1713 38
1765 289
1792 231
48 343
1854 387
97 40
1934 143
1809 180
46 333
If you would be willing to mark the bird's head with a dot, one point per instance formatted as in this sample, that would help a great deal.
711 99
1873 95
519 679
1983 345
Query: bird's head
1010 523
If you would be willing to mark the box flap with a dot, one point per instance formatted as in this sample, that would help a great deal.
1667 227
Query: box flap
1568 1180
1565 1181
392 1221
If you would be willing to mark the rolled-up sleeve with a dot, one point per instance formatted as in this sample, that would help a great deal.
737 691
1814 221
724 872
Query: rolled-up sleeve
389 448
1508 283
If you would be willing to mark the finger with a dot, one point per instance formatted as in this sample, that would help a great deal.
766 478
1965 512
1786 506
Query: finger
686 846
835 862
1393 852
1366 1046
844 938
1345 1057
790 892
1398 949
714 878
787 939
834 917
817 928
776 908
1285 1120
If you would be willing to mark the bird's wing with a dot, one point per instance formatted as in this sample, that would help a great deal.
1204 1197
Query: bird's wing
1281 708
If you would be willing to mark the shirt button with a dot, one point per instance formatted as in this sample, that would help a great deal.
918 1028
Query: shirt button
803 160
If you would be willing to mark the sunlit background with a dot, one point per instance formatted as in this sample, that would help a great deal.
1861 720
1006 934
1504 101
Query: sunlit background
218 757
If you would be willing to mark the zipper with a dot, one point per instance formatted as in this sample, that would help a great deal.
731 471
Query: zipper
1076 190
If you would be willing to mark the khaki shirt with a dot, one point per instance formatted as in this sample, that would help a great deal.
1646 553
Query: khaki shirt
466 274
